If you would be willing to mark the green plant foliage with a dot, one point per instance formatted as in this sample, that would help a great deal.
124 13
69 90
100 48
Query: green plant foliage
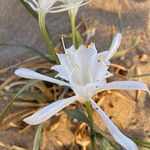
78 114
142 143
79 39
25 87
102 142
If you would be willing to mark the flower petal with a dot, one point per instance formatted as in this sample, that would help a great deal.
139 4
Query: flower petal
30 74
114 46
122 85
48 111
102 55
68 6
120 138
127 85
61 72
33 6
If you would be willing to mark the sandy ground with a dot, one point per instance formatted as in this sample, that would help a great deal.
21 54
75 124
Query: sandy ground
17 25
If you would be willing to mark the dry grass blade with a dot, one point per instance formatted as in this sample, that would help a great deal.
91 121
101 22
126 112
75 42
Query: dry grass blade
16 65
11 85
13 147
42 66
137 71
140 76
15 117
27 104
42 87
120 20
7 81
25 129
118 66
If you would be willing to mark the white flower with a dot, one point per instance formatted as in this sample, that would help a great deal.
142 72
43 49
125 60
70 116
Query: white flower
84 71
47 6
72 5
41 5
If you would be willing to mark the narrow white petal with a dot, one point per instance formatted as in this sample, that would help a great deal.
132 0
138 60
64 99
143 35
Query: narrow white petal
31 5
126 85
115 45
120 138
35 2
30 74
122 85
65 7
48 111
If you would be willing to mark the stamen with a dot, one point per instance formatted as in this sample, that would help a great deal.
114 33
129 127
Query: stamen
63 43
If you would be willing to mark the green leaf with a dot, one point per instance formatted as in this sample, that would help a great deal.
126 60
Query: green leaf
78 114
109 137
27 6
37 139
79 39
142 143
104 143
28 48
25 87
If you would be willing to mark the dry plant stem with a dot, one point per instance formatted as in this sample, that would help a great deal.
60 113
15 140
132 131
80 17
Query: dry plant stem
46 37
7 81
3 70
89 112
118 66
138 72
44 90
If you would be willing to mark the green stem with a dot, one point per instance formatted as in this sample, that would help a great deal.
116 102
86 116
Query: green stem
89 112
142 143
46 36
73 27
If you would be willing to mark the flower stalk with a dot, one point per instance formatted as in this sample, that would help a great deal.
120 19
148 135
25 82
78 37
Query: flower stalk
89 111
47 37
72 15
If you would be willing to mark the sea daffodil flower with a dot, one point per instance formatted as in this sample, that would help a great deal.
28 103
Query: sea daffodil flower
85 72
41 5
47 6
70 5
